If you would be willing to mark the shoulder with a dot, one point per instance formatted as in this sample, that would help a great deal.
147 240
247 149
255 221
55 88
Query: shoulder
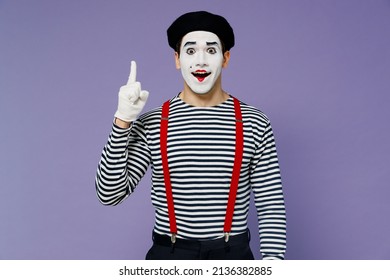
254 115
155 113
150 115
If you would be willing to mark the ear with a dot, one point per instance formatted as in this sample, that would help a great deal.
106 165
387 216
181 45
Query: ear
177 60
226 58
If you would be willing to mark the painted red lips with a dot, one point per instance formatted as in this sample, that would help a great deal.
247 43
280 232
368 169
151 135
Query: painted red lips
201 74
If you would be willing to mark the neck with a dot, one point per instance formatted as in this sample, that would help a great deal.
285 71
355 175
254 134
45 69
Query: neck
212 98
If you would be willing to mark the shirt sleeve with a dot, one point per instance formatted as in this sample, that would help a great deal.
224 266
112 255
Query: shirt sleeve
123 163
268 195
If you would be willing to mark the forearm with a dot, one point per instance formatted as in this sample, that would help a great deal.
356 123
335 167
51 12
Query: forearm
272 223
112 180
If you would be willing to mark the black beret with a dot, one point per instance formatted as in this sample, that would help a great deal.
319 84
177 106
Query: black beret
200 21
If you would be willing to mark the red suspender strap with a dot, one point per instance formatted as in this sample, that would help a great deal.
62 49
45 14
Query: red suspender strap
167 177
239 149
236 169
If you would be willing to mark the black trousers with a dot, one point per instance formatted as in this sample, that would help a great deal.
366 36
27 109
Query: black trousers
237 248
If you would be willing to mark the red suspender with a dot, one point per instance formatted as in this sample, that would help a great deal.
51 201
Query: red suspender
239 149
236 169
167 177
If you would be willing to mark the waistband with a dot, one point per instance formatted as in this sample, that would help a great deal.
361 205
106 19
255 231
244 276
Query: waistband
189 244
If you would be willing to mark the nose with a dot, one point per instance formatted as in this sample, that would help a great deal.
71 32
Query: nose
201 59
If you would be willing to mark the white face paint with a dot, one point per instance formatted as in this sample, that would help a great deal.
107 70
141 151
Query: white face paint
201 60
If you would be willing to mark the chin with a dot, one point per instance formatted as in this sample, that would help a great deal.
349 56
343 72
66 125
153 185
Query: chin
202 91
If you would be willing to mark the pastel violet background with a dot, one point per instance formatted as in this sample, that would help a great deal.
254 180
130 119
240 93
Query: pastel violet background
319 69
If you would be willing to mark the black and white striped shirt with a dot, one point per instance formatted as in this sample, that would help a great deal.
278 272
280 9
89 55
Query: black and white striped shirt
201 145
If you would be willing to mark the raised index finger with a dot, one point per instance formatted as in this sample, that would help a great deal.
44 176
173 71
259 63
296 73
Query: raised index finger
133 73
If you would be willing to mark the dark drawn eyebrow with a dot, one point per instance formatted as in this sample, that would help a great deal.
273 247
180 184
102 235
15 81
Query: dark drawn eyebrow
211 43
189 43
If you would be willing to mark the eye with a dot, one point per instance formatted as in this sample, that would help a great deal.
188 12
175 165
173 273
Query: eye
211 51
190 51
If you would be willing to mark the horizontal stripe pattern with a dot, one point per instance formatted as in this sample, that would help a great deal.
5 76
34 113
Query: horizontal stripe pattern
201 145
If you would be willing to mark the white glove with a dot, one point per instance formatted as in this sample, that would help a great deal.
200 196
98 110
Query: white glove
131 99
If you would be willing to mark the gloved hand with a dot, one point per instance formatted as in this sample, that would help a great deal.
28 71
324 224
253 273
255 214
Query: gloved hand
131 99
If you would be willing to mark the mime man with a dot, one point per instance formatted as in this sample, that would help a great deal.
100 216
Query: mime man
207 150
